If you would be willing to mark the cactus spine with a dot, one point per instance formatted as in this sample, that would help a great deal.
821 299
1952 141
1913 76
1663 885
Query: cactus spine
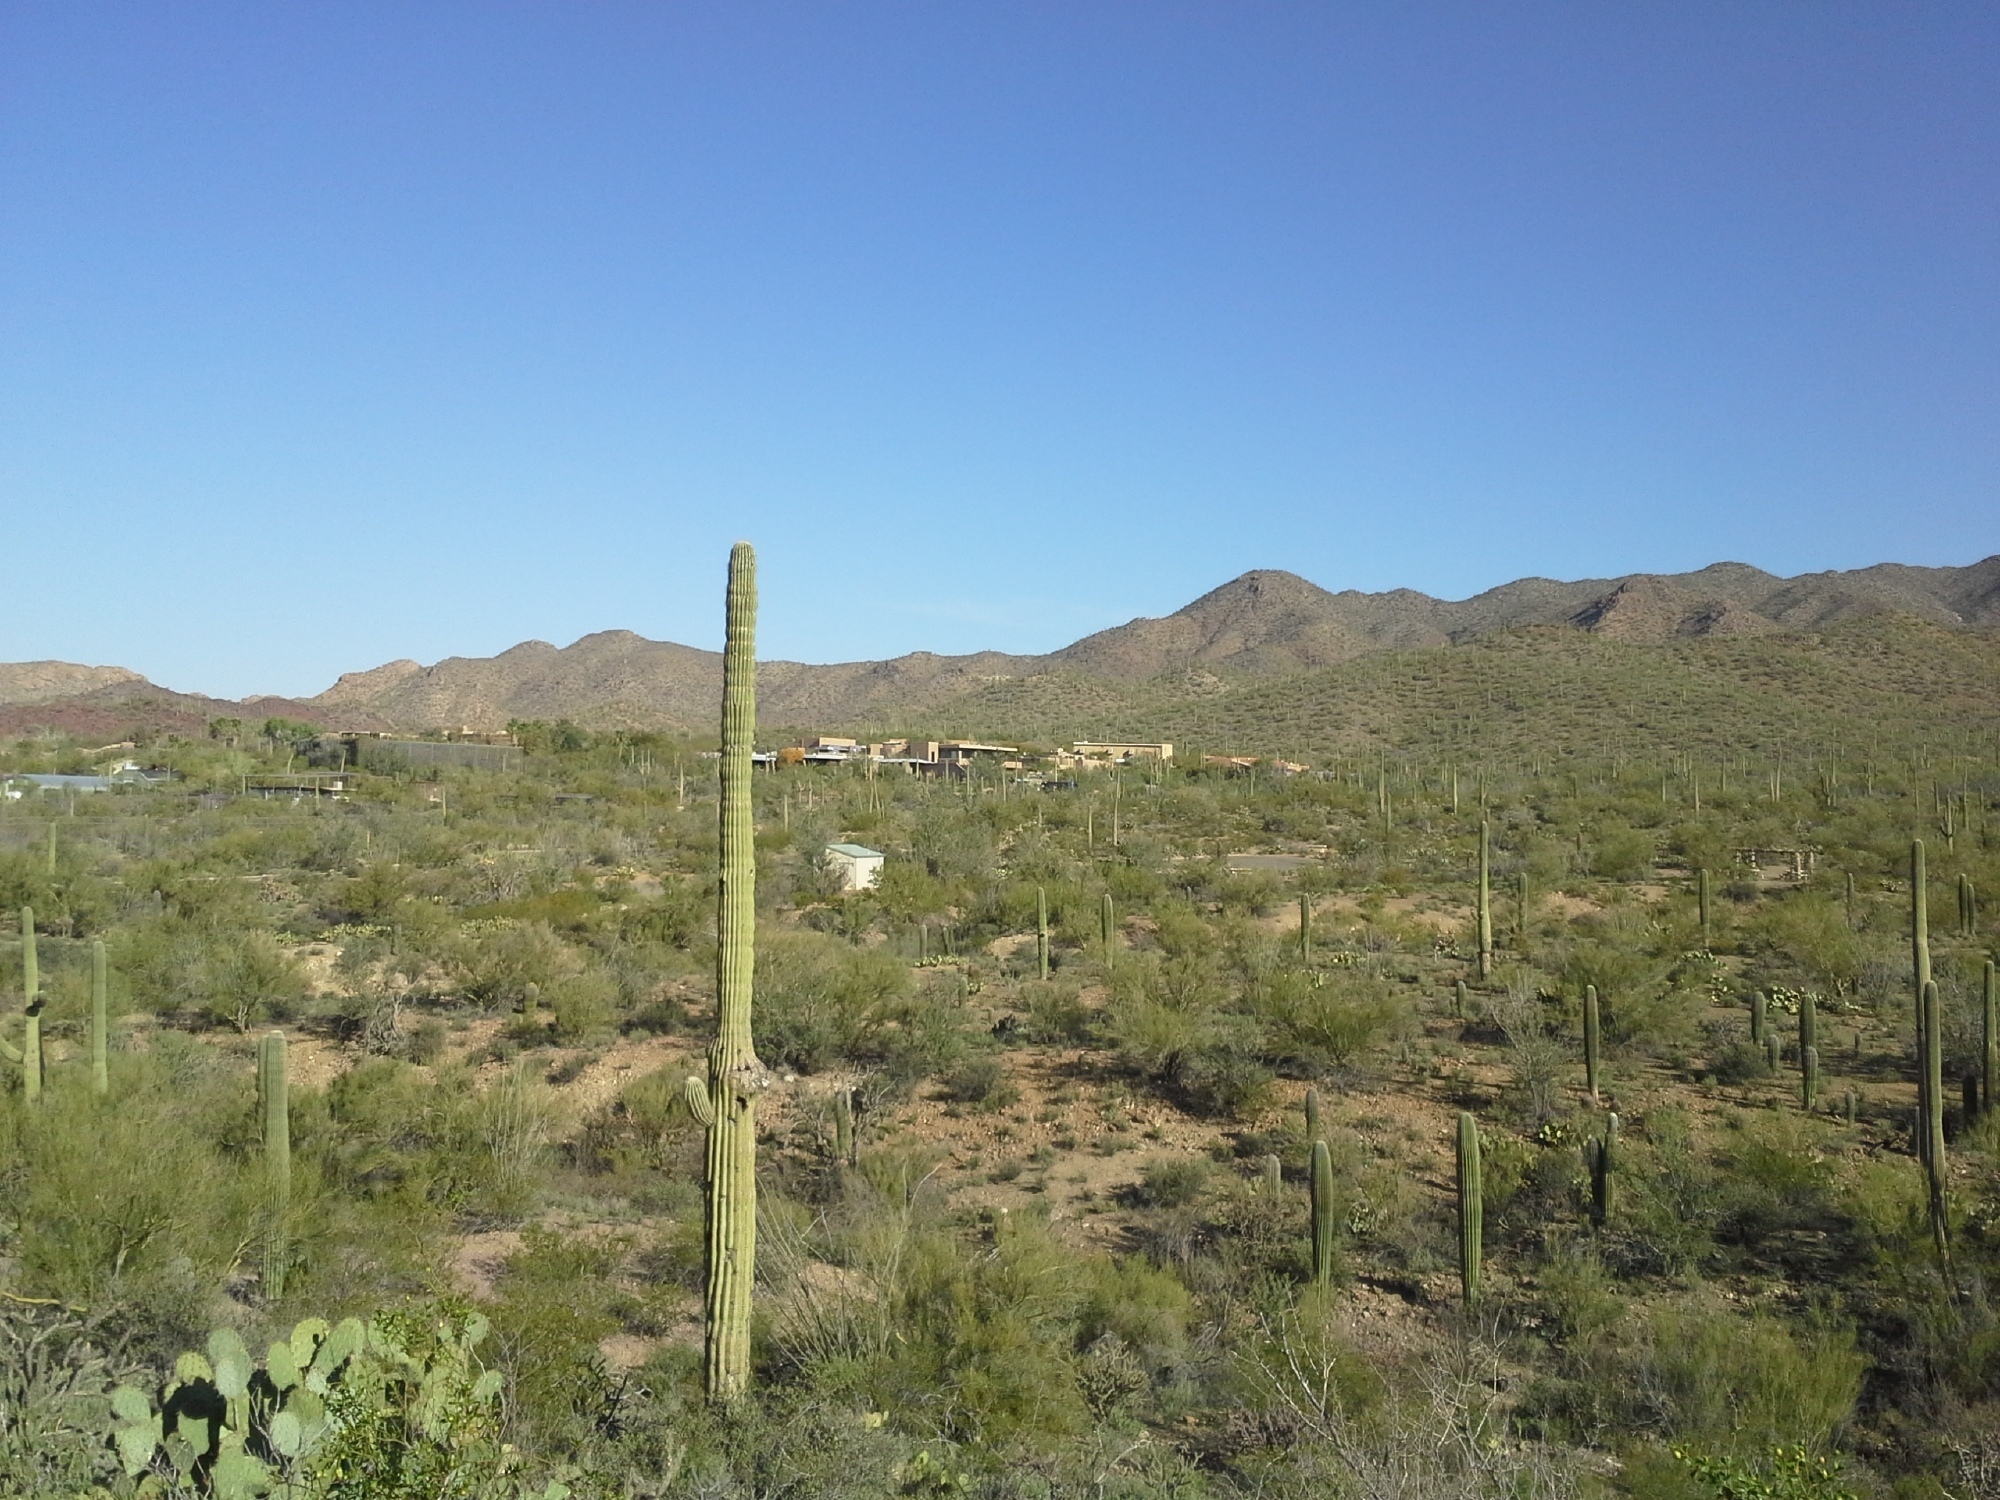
100 1068
1591 1038
1471 1209
735 1077
1041 933
1305 927
274 1091
1485 900
1322 1212
31 1000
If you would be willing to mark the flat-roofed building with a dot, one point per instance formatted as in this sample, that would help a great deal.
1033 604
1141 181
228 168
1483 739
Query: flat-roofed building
1106 753
857 866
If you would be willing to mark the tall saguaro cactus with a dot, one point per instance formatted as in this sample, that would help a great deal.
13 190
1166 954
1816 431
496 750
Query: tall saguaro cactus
1041 933
1322 1212
274 1092
1920 967
1600 1155
1592 1038
1108 925
1305 927
1701 901
1931 1121
100 1069
1471 1208
1485 900
31 1002
728 1105
1989 1049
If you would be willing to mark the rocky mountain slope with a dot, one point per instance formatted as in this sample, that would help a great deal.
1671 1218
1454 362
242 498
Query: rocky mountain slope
1263 624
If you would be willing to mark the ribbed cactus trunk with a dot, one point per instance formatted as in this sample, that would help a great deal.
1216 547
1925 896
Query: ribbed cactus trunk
1701 902
1041 933
1968 908
1808 1076
1458 999
1757 1005
1305 927
1471 1209
1933 1120
1600 1154
31 1002
1989 1049
274 1095
1272 1173
1591 1038
735 1077
1313 1131
1485 901
1108 925
843 1127
1322 1213
100 1063
1920 968
1521 911
1808 1022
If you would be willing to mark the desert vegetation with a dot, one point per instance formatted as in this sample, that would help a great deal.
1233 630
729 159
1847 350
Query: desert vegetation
1091 1162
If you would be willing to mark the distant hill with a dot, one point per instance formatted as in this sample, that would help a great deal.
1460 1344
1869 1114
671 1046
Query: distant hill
1263 625
42 681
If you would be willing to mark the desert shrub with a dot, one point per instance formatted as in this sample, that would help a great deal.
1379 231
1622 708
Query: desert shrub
987 1335
57 1369
495 968
980 1080
821 1001
584 1005
1743 1384
230 977
554 1304
1056 1014
1623 854
1172 1182
93 1217
1323 1020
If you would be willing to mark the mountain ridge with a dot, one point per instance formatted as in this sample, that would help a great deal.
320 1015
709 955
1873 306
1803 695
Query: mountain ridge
1264 623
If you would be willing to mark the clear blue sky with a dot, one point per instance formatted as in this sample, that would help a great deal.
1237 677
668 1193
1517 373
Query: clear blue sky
332 333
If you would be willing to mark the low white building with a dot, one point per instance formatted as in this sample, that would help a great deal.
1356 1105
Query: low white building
858 867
